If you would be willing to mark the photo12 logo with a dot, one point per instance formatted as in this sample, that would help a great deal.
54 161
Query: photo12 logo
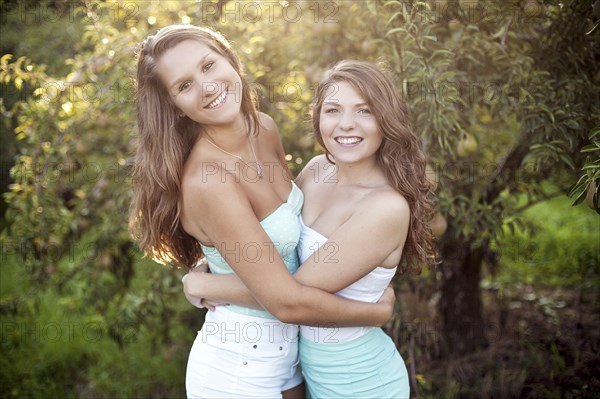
81 11
63 331
271 11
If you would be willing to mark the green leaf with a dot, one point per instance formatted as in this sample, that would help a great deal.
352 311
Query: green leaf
393 17
566 160
591 147
579 198
395 30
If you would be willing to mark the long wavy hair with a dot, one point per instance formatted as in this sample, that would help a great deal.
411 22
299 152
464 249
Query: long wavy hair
165 139
399 156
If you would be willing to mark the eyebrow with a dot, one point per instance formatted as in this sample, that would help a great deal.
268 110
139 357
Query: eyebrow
178 81
336 102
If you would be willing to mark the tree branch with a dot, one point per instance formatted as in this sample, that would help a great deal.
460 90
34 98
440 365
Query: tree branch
508 167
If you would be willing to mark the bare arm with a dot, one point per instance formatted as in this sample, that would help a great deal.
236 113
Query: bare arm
219 204
349 254
342 261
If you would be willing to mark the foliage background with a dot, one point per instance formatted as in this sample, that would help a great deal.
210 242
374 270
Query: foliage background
505 97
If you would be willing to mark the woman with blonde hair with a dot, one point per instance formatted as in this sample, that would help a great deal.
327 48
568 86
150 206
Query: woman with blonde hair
367 199
210 180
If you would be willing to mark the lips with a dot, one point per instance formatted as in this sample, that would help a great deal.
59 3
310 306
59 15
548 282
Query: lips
348 140
218 101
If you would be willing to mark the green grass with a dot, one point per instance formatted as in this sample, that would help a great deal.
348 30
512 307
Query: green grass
57 344
560 247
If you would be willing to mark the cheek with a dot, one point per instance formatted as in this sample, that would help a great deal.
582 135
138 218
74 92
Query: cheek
372 127
183 102
378 138
370 124
326 125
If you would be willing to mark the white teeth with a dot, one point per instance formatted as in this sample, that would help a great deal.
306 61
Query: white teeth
218 101
348 140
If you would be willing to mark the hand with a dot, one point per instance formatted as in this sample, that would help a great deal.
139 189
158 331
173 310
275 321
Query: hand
202 302
389 296
387 300
200 266
191 279
211 305
192 283
194 300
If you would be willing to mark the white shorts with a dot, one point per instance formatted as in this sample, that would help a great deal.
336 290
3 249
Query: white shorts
236 355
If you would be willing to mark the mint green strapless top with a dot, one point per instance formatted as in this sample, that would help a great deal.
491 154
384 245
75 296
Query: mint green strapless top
283 228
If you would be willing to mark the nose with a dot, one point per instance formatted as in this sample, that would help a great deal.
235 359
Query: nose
347 122
209 89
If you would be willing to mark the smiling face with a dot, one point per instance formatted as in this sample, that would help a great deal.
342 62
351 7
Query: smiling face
202 84
349 130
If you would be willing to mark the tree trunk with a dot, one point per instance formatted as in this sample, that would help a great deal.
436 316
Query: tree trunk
460 304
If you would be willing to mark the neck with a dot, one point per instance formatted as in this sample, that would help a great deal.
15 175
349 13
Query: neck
232 137
235 142
366 173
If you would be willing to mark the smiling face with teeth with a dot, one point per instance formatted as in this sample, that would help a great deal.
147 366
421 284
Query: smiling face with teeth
202 84
349 130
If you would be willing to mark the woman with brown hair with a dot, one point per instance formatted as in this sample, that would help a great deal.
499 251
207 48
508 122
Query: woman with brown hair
210 179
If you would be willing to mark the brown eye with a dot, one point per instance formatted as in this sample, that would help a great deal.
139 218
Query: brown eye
184 86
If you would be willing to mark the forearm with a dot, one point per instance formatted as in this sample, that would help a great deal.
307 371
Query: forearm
306 305
221 288
316 307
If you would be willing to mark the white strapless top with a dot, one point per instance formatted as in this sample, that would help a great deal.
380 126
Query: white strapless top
367 289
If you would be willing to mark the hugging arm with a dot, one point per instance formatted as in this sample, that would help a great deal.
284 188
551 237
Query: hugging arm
266 277
337 264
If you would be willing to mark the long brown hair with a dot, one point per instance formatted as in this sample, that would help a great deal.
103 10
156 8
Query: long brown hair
164 142
399 156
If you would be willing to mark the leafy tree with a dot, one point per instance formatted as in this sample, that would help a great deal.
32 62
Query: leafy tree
503 94
587 187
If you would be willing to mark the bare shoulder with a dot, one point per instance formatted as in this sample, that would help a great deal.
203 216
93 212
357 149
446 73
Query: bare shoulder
268 127
315 171
208 179
385 205
198 172
269 134
319 162
267 122
205 184
208 195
